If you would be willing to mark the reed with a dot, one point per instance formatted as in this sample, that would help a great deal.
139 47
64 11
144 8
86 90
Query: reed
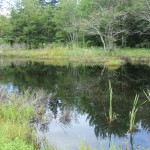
133 113
110 103
147 94
112 115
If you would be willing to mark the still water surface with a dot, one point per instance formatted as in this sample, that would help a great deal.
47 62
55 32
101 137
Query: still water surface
78 105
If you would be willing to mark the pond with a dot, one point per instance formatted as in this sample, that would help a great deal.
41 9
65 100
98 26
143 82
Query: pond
78 106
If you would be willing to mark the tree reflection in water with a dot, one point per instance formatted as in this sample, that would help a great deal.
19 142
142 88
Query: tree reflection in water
84 90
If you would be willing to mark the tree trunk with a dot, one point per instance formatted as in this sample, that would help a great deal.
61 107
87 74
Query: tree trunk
104 44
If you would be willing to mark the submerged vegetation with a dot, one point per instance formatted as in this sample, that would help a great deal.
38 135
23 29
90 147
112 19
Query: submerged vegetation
112 146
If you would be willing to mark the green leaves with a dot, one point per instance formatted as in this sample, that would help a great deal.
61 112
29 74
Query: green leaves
30 27
100 22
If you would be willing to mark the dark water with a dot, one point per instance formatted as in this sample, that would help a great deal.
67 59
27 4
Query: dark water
79 103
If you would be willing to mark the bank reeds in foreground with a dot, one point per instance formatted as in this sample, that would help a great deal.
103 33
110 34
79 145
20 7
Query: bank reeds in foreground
16 112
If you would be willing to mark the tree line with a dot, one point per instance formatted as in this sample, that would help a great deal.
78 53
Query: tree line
106 23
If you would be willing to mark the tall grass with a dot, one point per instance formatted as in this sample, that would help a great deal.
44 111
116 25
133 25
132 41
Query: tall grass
15 46
90 55
112 115
16 112
110 103
133 113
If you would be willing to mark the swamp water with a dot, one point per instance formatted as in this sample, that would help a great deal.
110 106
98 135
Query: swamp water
78 104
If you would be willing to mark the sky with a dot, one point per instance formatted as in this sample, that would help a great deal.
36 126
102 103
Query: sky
6 6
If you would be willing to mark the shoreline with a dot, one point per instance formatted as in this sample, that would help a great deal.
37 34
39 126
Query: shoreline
82 56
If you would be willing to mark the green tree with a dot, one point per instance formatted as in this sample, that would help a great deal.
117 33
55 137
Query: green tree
5 29
138 22
106 20
32 24
67 21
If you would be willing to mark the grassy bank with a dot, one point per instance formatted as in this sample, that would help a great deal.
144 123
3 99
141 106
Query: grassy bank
16 112
83 55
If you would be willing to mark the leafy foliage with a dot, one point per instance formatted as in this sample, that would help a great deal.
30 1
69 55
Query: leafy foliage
80 22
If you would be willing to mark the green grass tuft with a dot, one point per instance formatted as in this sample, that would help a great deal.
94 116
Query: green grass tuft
16 112
133 113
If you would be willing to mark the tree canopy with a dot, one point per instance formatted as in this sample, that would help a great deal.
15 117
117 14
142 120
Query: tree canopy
105 23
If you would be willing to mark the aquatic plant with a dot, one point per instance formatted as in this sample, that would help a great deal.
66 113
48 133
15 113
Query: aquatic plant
147 94
112 146
110 104
112 115
84 147
133 113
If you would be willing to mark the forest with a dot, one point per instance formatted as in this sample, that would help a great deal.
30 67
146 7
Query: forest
109 24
